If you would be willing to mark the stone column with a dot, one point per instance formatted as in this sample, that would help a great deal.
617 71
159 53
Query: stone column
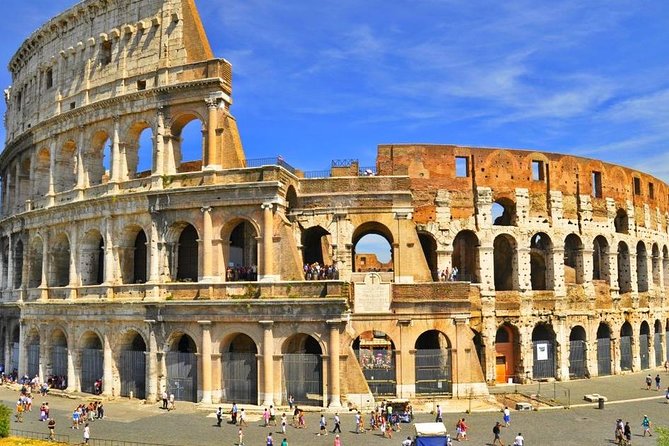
44 354
334 377
154 258
116 153
109 266
267 271
10 262
615 355
7 353
82 177
523 276
17 187
74 275
487 268
634 284
72 354
267 363
206 361
159 152
207 247
558 272
23 349
45 261
210 159
152 363
108 376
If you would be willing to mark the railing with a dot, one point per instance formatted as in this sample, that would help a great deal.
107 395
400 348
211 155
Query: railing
272 161
39 435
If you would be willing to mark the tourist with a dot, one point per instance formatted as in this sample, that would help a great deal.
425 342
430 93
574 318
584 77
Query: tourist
301 421
219 416
628 432
270 440
242 418
291 401
463 430
407 442
296 417
507 416
519 440
284 442
645 423
165 396
649 381
233 414
619 433
240 437
87 433
439 418
337 441
272 415
657 381
265 417
358 423
323 423
172 406
337 424
496 430
51 424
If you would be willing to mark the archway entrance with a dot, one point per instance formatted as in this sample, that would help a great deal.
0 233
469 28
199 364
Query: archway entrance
577 353
603 350
644 344
240 371
626 346
181 361
433 364
92 361
243 254
132 365
543 347
372 248
657 343
303 369
506 352
429 246
188 256
59 359
376 355
466 256
316 246
33 355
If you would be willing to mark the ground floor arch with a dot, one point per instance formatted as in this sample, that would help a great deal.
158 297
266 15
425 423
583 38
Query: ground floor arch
657 343
506 352
92 363
132 365
433 364
644 345
376 354
603 349
33 351
59 357
303 369
181 364
543 351
626 346
239 363
577 353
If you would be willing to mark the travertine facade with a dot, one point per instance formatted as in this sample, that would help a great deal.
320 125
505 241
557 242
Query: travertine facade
190 276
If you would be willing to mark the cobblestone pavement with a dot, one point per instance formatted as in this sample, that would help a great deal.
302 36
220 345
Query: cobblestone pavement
191 424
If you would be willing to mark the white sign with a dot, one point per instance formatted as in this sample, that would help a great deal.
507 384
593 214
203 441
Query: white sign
542 351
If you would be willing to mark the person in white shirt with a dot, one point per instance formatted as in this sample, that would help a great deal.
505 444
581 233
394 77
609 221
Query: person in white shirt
519 441
407 442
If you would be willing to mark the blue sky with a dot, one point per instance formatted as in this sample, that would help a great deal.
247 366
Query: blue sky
316 81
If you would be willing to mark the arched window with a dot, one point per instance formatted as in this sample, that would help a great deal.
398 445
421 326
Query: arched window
624 273
573 259
600 259
506 263
372 248
65 177
98 159
188 255
504 212
641 267
621 222
541 262
466 256
243 253
18 264
429 247
188 143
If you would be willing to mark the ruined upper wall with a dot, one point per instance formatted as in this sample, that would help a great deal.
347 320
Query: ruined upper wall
79 56
433 167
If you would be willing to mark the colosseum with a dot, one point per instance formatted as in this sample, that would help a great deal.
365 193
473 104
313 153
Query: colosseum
227 279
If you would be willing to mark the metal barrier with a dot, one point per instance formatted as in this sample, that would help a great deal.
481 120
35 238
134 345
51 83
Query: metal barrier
39 435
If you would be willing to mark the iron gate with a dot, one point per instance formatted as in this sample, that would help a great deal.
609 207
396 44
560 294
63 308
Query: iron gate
91 368
577 363
603 356
132 371
33 360
643 351
666 337
433 371
378 366
625 353
657 344
240 377
544 359
182 375
15 357
304 377
59 360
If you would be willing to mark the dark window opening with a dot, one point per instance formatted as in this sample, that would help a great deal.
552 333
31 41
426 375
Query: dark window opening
538 173
49 78
106 53
597 184
637 186
651 191
141 85
73 105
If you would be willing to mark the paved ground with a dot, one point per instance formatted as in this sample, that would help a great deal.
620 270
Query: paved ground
191 424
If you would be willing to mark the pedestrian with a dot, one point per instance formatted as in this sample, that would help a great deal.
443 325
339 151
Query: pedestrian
219 416
165 396
628 432
666 395
284 421
172 407
233 413
666 366
620 432
323 423
242 418
337 440
497 430
439 418
19 411
265 417
358 423
507 416
337 424
291 401
519 441
240 437
75 419
270 440
87 433
272 415
657 381
407 442
463 430
645 423
284 442
649 381
51 424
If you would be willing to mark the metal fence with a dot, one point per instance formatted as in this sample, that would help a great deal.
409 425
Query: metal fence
603 356
303 375
182 375
433 371
378 366
643 351
577 362
33 360
240 377
59 360
657 344
271 161
626 353
91 368
132 371
39 435
544 359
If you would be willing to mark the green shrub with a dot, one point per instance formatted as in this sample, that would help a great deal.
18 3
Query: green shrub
663 436
5 415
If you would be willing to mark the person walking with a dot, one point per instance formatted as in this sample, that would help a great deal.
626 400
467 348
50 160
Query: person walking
269 440
272 415
337 440
519 440
240 437
507 416
284 421
165 396
265 417
440 417
497 430
337 424
657 381
323 423
87 433
219 416
284 442
645 423
51 424
172 406
649 381
242 418
628 432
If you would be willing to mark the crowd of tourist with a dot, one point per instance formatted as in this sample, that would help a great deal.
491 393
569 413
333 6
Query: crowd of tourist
316 271
241 273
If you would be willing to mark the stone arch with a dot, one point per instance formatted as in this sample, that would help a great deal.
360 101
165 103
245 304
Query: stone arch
18 264
541 262
16 348
59 265
59 355
507 352
4 256
578 364
33 350
239 364
132 364
133 254
65 177
624 271
36 260
644 345
428 245
140 149
42 172
98 160
363 262
433 363
92 260
621 221
241 251
316 246
600 258
573 259
191 148
291 199
543 348
504 212
641 267
303 369
657 343
182 367
603 349
92 362
626 334
466 256
656 264
505 257
186 254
